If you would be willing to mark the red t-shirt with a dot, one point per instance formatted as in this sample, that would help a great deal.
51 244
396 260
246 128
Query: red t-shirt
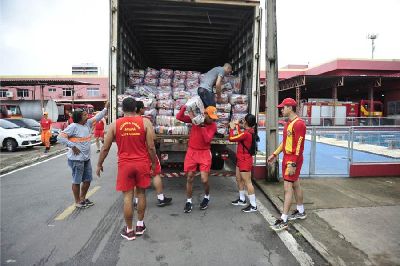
243 138
200 137
131 139
45 123
99 126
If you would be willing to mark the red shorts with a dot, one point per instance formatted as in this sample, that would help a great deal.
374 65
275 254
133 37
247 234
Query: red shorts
245 163
157 170
99 133
286 176
131 174
197 158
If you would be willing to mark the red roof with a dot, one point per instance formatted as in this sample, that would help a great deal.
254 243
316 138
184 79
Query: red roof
345 67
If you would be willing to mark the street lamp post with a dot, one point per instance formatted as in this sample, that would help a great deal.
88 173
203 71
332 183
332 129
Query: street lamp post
372 37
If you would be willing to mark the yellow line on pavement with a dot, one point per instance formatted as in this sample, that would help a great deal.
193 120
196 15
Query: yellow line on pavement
71 208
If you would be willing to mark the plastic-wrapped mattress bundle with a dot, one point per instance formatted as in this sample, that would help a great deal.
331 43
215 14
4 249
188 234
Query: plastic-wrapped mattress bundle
147 91
135 77
233 83
224 111
180 74
152 73
192 75
166 73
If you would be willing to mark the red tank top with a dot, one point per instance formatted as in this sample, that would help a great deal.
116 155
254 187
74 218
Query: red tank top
131 139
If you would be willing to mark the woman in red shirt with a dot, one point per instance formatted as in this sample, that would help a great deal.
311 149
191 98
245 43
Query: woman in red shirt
244 159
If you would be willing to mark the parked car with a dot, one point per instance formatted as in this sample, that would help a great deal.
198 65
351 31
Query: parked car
13 136
34 125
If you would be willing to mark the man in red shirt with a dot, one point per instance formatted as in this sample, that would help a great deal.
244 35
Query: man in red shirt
45 129
198 154
292 146
99 133
136 162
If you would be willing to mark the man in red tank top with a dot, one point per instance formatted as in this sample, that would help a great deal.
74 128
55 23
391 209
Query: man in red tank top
136 162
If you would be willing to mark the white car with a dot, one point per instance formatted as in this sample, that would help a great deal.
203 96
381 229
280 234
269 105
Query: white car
13 136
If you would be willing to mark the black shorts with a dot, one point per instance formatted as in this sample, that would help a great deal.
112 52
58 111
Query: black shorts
207 97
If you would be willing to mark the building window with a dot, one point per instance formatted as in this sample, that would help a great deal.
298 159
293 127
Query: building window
67 92
22 93
93 91
393 107
3 93
52 90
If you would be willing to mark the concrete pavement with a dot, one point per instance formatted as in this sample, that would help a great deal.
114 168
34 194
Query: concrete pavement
349 221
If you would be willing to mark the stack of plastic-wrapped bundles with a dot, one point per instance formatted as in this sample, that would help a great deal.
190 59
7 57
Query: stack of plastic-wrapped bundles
164 92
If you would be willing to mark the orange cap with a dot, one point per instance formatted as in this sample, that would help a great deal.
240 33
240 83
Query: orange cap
212 112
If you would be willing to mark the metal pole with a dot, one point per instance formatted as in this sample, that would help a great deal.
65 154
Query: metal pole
373 47
42 98
73 94
271 111
313 151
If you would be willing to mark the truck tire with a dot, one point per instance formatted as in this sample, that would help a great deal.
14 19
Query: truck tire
11 145
217 164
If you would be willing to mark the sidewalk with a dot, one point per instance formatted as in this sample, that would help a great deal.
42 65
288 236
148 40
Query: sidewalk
349 221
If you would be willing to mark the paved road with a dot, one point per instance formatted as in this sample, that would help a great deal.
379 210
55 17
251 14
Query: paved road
32 199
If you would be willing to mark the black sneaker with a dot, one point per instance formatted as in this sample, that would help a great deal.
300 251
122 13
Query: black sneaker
250 208
239 202
140 230
166 201
89 203
188 207
204 204
81 205
128 236
279 225
297 215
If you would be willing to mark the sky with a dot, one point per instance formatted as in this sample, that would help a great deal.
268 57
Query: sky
47 37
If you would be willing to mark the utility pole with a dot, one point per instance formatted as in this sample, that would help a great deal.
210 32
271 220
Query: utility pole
372 37
73 94
42 98
271 110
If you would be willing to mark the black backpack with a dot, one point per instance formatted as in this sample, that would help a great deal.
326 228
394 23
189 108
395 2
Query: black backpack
253 149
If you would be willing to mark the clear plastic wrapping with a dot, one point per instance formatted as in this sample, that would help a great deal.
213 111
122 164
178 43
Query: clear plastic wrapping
147 91
224 107
136 73
238 98
164 95
165 82
192 75
173 130
168 120
240 108
151 81
165 104
181 95
166 73
180 74
152 73
135 81
223 115
179 103
166 112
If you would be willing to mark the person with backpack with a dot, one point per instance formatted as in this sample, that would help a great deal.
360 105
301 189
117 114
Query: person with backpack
244 159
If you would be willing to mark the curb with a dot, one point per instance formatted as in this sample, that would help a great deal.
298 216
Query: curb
318 246
15 166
